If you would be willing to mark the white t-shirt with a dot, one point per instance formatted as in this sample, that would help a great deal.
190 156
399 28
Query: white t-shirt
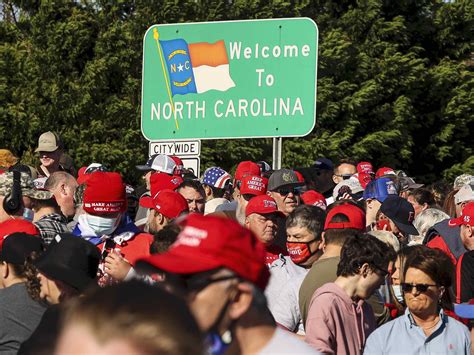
282 293
284 342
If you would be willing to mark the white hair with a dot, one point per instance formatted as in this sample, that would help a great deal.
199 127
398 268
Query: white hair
388 238
425 220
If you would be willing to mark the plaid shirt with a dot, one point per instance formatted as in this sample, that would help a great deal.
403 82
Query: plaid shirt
50 225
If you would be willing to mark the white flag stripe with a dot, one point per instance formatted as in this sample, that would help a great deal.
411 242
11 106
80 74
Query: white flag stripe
213 78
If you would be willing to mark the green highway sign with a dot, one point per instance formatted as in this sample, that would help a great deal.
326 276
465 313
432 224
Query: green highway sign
234 79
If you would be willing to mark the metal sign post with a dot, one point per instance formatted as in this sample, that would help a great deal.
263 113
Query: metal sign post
277 145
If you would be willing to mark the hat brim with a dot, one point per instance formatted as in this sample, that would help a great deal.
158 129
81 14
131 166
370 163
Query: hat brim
414 186
46 149
464 310
143 167
37 195
265 213
454 222
178 263
407 228
291 184
147 202
69 276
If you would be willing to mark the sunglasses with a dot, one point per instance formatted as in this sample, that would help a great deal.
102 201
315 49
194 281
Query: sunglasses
345 176
196 283
286 191
419 287
381 272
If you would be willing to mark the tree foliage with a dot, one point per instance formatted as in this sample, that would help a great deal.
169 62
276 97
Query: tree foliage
395 80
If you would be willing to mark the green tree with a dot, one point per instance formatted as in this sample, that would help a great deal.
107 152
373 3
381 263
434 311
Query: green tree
395 80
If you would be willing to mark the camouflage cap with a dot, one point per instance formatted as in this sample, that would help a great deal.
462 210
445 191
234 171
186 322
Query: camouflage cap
27 187
464 179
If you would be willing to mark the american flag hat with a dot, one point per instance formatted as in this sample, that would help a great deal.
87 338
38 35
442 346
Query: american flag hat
216 177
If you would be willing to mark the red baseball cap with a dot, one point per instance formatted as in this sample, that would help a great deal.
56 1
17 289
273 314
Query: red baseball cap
299 176
466 217
104 193
246 168
314 198
254 185
168 202
365 167
262 204
355 215
384 171
16 225
210 242
161 181
179 168
364 179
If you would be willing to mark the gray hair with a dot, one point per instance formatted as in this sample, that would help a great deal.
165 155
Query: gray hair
427 219
388 238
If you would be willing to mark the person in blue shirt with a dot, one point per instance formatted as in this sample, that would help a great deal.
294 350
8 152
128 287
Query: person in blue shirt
424 328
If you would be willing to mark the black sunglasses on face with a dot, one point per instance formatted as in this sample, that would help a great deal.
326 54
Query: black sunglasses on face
419 287
345 176
286 191
381 272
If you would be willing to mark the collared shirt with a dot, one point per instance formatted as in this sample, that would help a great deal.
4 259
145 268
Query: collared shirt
50 225
404 336
282 293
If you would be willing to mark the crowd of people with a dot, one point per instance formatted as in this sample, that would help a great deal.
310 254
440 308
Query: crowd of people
336 258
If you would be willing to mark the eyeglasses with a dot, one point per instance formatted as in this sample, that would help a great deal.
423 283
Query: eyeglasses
382 272
419 287
286 191
195 283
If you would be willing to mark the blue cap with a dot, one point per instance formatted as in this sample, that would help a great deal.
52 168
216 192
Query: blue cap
323 164
379 189
464 310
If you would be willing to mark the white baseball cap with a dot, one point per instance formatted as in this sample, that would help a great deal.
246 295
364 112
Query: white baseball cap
465 194
159 162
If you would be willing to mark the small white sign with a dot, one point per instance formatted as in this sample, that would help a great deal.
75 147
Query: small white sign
179 148
192 163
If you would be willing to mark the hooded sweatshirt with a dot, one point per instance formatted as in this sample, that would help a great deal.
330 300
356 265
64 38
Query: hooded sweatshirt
336 324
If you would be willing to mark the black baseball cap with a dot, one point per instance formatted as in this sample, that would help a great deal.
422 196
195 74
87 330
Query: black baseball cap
18 246
401 212
70 259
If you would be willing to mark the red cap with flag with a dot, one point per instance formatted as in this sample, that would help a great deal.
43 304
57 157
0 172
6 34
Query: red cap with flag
210 242
355 215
